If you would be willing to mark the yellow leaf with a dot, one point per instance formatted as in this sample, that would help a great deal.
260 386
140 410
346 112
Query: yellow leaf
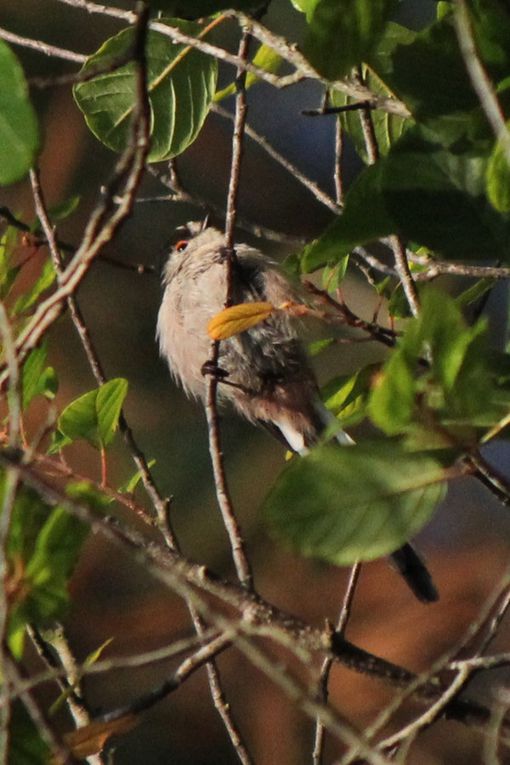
265 58
238 318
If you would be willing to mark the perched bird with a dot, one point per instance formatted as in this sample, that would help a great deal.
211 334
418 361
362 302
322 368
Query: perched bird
264 370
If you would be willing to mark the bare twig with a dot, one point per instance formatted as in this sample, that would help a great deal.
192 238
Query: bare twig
294 171
319 738
190 665
230 522
293 56
396 244
242 564
101 666
173 182
479 77
9 498
405 275
42 47
103 223
288 52
338 163
70 681
377 332
443 662
14 392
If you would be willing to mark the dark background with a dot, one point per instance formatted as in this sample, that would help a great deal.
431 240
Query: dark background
466 545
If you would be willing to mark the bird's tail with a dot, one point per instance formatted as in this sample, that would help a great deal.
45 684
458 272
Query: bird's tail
416 574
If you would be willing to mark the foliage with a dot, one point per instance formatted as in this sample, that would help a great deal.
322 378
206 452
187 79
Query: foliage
435 173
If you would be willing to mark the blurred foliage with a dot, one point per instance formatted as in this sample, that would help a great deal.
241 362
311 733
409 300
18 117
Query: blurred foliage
439 178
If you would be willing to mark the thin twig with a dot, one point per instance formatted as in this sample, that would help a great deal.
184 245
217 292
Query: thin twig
294 171
11 483
405 275
230 522
343 619
103 224
289 53
396 244
180 194
109 665
14 391
190 665
429 677
338 163
42 47
377 332
70 681
479 77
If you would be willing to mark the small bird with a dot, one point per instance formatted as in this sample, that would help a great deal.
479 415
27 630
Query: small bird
264 371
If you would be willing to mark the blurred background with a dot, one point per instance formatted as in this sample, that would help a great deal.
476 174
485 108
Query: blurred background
466 545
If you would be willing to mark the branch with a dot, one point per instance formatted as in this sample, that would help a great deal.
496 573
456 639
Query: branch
230 522
479 79
396 244
42 47
381 334
343 619
261 141
103 223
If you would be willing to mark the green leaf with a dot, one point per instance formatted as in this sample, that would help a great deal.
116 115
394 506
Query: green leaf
342 33
8 272
417 67
474 293
96 654
29 515
49 569
37 379
58 441
437 198
304 6
398 305
354 226
43 547
438 386
356 503
326 249
26 746
498 178
444 8
393 397
265 58
318 346
387 127
453 110
95 415
64 209
110 398
130 486
19 133
181 85
429 195
88 494
347 396
44 282
333 275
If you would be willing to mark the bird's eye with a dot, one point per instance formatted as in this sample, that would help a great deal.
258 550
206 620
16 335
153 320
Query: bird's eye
181 245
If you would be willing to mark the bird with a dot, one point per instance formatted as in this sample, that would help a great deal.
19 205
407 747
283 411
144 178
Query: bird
263 371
